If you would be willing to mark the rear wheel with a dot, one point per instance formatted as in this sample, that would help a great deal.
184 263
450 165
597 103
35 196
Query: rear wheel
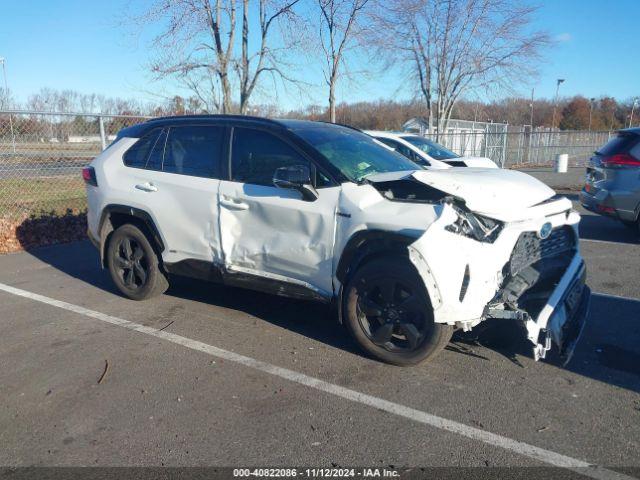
388 312
134 265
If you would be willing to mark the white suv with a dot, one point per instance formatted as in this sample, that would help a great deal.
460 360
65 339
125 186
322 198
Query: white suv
323 212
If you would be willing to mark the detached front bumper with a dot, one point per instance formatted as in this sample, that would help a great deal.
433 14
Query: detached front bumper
562 320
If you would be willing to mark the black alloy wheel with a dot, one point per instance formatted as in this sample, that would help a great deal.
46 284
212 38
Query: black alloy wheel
387 310
391 315
134 265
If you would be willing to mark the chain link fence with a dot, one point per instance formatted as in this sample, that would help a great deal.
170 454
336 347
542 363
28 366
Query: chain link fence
41 155
513 147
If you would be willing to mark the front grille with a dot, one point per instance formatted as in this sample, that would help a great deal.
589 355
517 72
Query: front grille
530 248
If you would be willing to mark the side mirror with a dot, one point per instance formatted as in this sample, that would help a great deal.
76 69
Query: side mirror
296 177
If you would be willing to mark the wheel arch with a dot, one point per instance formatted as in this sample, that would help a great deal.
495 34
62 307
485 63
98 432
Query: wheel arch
364 246
116 215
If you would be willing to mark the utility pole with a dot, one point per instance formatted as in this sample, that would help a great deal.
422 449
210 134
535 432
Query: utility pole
6 92
555 103
633 107
591 100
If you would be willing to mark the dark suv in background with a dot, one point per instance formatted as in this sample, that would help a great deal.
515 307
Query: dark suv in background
612 185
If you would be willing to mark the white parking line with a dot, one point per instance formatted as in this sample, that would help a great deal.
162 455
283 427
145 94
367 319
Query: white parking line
521 448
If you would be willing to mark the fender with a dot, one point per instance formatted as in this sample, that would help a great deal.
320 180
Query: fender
365 244
113 215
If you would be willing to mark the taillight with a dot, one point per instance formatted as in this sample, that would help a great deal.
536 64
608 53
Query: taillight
89 176
603 209
621 159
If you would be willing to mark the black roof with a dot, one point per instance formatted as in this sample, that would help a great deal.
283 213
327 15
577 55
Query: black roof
138 130
634 130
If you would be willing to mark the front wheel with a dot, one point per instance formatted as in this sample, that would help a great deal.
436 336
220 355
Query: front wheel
134 265
388 312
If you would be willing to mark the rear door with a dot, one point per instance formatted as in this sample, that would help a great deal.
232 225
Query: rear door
178 185
271 232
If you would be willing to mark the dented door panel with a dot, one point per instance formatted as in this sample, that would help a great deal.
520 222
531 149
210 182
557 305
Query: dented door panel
272 232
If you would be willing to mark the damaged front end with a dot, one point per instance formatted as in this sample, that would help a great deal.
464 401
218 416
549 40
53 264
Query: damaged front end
503 246
544 287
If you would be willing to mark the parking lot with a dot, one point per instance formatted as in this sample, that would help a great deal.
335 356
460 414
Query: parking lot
211 375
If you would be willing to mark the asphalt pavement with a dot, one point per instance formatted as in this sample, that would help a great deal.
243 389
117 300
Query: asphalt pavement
212 375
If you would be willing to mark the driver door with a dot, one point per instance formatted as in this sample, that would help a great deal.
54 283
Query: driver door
273 233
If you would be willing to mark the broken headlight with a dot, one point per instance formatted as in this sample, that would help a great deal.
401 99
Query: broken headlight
472 225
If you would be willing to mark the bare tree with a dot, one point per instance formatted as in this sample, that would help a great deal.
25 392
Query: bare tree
338 29
6 99
198 46
265 58
455 46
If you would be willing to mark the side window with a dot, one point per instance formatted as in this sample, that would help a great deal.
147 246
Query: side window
403 150
194 150
154 161
256 155
388 142
138 153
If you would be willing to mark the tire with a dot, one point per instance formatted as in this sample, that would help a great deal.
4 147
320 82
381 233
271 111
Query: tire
387 310
134 265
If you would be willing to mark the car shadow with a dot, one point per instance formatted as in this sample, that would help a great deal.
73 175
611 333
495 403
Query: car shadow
314 320
76 259
597 227
609 350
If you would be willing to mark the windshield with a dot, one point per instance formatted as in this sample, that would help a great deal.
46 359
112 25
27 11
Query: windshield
354 153
430 148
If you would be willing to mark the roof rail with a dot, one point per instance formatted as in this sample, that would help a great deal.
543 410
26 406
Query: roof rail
212 117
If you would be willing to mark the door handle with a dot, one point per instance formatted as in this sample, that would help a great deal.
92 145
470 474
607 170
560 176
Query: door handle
233 203
147 187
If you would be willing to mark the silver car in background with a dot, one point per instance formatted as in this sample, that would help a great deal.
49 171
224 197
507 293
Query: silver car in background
612 185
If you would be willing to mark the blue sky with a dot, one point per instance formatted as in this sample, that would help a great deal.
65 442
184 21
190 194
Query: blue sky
81 45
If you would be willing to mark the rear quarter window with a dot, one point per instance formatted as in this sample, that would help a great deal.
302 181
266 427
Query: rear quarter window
139 153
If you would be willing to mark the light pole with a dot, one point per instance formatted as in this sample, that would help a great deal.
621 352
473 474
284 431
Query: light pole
591 100
6 92
531 105
633 107
555 103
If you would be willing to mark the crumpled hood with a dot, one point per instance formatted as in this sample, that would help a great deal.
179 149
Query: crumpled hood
484 190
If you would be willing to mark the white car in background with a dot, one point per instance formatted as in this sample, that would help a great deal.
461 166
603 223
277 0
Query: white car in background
426 152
